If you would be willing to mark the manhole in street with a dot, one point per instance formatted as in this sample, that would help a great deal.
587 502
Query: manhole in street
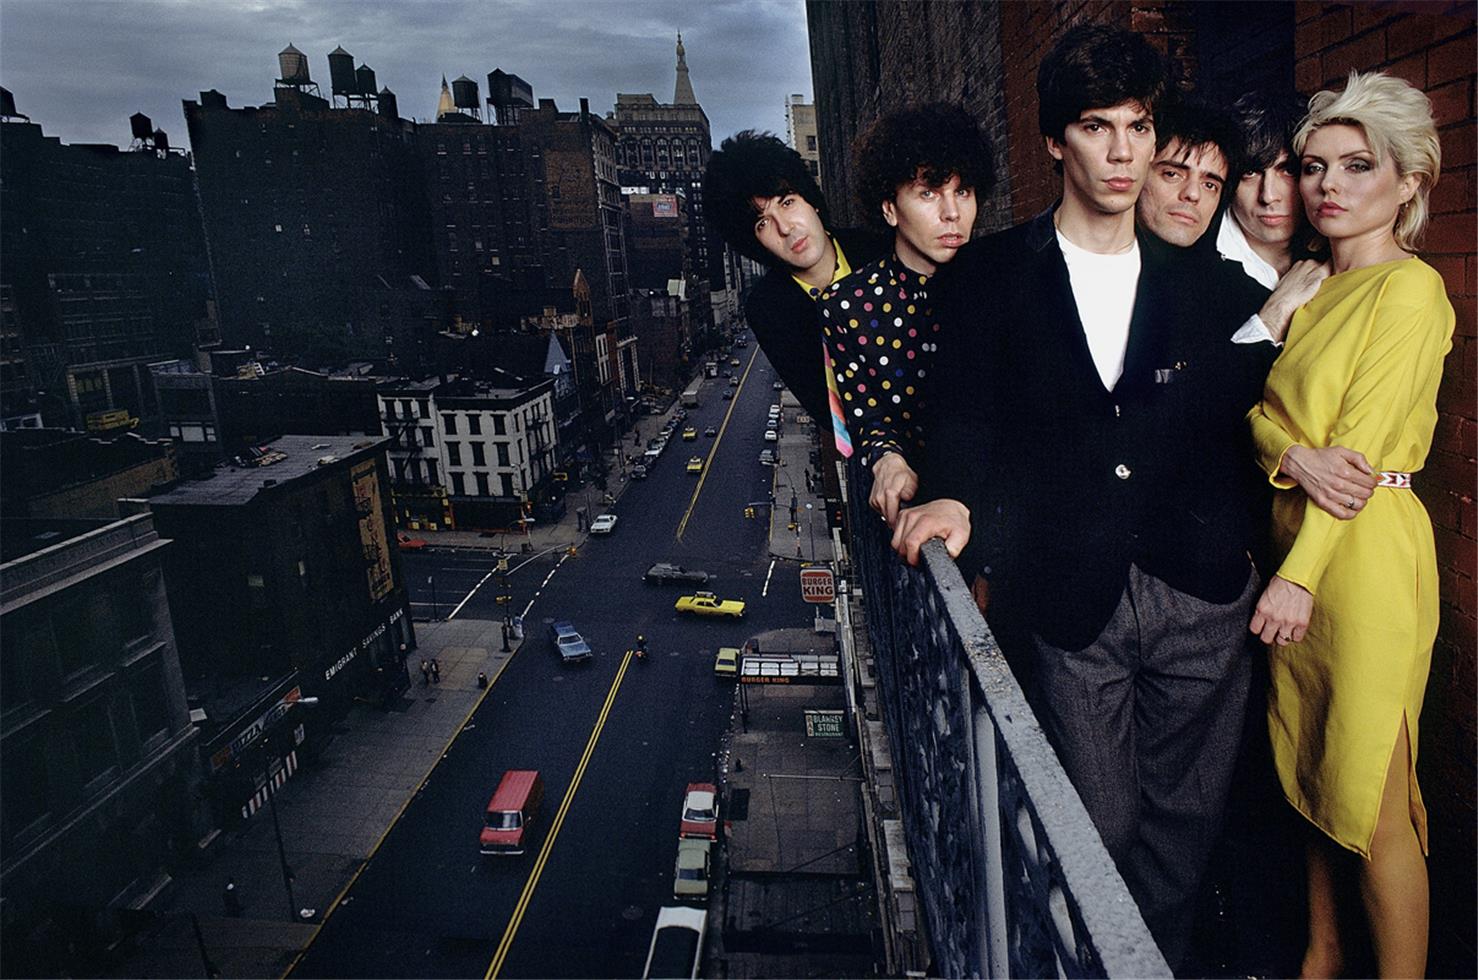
631 913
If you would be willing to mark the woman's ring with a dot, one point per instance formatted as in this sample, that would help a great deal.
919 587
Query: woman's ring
1284 637
1350 505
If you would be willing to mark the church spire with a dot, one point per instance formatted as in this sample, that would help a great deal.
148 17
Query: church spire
445 107
683 93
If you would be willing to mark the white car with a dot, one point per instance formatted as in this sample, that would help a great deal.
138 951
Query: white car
604 524
690 873
677 943
771 435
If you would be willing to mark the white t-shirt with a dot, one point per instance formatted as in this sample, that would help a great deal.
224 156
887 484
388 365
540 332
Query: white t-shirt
1104 287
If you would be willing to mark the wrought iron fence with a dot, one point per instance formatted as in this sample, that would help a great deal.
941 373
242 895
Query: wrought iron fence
1012 874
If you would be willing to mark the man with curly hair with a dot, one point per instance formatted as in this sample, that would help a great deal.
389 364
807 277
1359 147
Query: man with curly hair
918 172
767 206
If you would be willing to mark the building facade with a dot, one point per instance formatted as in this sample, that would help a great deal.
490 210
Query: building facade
800 132
99 755
103 269
316 223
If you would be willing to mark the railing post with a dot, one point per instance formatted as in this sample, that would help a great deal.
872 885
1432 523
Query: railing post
991 913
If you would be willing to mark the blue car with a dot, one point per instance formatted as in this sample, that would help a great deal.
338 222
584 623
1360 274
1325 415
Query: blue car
568 643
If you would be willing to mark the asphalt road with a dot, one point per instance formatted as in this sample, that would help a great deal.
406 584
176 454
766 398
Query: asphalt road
616 740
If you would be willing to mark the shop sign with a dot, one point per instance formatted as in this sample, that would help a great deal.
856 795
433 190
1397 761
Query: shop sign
824 723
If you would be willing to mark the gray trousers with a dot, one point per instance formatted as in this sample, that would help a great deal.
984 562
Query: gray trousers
1147 721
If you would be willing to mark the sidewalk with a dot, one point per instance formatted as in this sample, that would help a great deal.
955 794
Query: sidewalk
810 538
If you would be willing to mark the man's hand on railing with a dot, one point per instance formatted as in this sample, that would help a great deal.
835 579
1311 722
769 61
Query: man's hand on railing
893 483
947 519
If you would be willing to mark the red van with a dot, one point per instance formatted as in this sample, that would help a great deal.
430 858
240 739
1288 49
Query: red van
512 813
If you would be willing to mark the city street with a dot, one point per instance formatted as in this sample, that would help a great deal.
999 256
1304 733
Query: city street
616 740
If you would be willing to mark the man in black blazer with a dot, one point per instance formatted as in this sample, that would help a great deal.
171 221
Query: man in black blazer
767 206
1084 445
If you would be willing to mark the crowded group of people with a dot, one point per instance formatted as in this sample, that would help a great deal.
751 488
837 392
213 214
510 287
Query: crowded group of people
1167 426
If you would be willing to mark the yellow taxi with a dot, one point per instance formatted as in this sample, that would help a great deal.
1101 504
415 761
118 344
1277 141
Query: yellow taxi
708 604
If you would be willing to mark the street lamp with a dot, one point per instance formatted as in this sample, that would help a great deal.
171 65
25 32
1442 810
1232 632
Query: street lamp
810 531
287 871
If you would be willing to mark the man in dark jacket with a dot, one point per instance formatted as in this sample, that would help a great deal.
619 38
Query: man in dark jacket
767 206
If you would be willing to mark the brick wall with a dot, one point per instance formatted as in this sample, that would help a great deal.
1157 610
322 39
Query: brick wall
1431 45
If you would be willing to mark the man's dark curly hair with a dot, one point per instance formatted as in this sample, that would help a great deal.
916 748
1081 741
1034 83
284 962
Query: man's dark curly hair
1267 121
1095 66
1198 125
751 165
935 141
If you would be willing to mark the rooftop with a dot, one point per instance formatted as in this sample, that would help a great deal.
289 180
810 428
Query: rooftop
280 461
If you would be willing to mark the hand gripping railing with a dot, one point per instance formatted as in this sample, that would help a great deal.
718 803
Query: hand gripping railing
1013 877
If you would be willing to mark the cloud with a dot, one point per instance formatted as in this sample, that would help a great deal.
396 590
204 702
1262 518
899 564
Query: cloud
81 67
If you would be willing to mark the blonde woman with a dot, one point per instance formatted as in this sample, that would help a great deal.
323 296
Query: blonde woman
1345 421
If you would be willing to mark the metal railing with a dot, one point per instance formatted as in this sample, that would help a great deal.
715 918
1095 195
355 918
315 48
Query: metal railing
1012 875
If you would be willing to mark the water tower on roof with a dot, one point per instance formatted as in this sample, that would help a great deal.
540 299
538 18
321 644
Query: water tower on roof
348 85
465 97
508 95
292 66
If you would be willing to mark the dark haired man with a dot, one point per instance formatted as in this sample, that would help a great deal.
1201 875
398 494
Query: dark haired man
918 172
767 206
1268 222
1092 413
1189 172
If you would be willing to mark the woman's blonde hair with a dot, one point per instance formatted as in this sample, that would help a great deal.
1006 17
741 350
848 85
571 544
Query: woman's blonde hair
1397 121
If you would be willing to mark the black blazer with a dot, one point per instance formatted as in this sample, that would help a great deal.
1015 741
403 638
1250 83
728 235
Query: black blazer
1069 484
783 318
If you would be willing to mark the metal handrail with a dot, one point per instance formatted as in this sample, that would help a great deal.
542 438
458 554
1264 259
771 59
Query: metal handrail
1013 876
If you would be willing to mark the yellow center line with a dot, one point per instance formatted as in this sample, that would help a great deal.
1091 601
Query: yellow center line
682 525
554 827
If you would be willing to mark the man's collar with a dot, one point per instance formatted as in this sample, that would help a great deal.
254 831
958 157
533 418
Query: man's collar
1232 244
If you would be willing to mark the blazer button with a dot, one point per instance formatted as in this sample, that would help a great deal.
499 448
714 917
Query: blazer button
1121 471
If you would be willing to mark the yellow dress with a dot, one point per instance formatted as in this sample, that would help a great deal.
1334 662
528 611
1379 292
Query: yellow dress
1360 369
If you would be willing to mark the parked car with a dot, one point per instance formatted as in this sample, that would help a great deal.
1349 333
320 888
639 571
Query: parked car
512 813
728 394
700 812
778 386
639 471
726 663
408 543
663 573
771 435
767 457
733 382
604 524
708 604
695 464
690 873
568 642
677 943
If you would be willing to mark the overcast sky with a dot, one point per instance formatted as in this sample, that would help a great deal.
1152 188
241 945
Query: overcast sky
80 68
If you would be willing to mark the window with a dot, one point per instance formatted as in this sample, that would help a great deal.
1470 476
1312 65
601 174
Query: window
459 486
449 423
479 454
454 454
507 482
474 423
428 436
431 472
97 749
482 484
502 453
71 624
150 700
500 425
811 142
133 603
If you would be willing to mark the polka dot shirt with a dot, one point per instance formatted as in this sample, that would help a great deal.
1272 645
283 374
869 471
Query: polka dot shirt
881 338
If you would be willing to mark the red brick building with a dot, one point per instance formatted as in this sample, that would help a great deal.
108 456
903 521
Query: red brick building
869 59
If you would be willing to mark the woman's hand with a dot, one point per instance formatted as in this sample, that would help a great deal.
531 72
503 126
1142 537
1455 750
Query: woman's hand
1282 614
893 482
1338 480
947 519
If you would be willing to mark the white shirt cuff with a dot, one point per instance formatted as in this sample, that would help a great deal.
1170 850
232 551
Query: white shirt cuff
1254 331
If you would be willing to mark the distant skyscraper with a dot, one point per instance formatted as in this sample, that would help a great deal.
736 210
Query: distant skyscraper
800 132
665 148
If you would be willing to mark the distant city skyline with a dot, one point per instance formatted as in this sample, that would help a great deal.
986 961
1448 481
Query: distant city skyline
80 68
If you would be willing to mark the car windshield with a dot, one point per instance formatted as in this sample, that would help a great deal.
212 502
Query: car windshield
571 640
690 874
698 814
505 819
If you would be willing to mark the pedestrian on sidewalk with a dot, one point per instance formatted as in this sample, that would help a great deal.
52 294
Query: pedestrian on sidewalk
425 673
435 671
232 899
